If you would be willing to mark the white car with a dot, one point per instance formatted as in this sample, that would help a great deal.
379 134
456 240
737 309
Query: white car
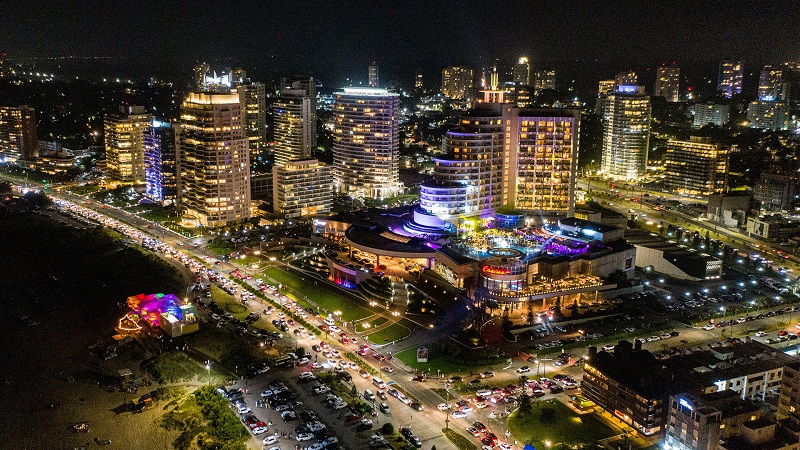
481 405
269 440
259 430
760 334
708 327
504 446
352 365
305 436
458 414
609 347
335 353
443 406
524 369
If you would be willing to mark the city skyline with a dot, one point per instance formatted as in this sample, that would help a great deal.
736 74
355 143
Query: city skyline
642 36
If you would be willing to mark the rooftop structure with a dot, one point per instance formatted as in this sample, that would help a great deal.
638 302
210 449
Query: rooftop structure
671 258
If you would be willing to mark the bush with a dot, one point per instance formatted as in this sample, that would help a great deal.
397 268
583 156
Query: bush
387 428
360 362
459 440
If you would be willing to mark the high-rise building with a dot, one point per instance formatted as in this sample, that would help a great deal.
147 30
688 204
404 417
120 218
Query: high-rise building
418 82
159 162
366 142
768 115
494 76
545 79
731 75
213 160
522 72
468 177
710 114
458 82
253 98
18 140
293 126
125 135
626 133
629 78
604 88
201 70
309 85
668 80
239 76
771 84
502 155
302 188
696 166
543 160
373 74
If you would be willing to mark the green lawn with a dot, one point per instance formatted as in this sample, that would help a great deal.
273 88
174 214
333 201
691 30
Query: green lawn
447 363
327 298
372 324
565 427
389 334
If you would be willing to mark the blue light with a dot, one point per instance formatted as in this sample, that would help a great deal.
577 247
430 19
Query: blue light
627 88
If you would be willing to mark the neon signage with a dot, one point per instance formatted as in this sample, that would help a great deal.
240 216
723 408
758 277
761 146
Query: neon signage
496 270
685 403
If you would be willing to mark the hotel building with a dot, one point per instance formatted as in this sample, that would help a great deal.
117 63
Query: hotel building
302 188
696 166
125 135
213 160
366 142
18 133
626 133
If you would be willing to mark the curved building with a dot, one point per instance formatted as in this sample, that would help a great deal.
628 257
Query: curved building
469 176
366 142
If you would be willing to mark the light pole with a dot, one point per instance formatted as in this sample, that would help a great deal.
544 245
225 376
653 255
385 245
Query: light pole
208 367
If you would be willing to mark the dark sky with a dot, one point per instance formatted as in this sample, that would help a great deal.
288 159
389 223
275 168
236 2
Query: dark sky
340 38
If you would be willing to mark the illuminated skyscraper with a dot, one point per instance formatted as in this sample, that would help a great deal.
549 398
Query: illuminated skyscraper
294 124
18 133
668 79
545 79
373 74
768 115
159 162
771 84
522 72
124 135
543 160
710 114
458 82
627 78
213 160
730 78
626 133
201 70
253 98
696 166
605 87
302 188
366 143
418 82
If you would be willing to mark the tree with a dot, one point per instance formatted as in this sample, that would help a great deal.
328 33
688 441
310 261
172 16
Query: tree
525 406
387 428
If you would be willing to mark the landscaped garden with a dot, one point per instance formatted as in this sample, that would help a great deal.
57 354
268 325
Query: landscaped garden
553 423
446 361
308 290
389 334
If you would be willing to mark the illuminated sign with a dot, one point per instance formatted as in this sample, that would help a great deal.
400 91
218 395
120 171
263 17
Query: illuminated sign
496 270
627 89
685 403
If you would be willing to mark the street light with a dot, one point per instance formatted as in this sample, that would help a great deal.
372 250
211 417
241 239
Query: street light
208 367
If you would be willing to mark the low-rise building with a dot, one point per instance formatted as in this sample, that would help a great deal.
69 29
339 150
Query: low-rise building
773 227
672 259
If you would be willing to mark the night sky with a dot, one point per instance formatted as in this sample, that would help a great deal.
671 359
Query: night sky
340 38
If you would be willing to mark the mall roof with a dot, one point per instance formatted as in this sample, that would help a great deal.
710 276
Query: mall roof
586 224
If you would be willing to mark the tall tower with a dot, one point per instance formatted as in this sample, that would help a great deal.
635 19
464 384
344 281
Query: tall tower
626 133
366 143
629 78
253 98
522 72
418 82
668 80
373 74
159 162
213 160
771 84
731 74
294 124
544 160
124 135
201 70
18 138
458 82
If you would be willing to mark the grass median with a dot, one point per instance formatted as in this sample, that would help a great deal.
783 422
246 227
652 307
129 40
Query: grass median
327 298
553 421
389 334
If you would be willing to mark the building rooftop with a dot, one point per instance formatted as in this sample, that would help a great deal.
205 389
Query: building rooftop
671 249
587 225
638 370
